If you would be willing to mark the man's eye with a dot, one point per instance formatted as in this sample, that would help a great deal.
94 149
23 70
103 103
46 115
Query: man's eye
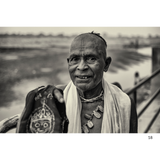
74 59
91 59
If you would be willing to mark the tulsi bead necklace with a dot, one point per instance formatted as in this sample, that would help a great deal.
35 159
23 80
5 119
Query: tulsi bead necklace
100 97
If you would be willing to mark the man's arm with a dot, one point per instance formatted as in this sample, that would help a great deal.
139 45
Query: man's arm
133 118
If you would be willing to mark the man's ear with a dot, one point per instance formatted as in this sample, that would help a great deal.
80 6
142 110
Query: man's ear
67 60
107 63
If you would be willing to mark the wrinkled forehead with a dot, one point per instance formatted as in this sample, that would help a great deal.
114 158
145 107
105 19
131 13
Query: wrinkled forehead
86 42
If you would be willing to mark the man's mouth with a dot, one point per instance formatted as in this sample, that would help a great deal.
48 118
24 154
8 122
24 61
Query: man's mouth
83 77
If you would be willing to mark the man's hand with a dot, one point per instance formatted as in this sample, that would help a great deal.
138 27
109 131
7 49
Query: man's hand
56 92
58 95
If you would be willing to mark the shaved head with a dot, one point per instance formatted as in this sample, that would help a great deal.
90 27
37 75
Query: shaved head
89 41
87 61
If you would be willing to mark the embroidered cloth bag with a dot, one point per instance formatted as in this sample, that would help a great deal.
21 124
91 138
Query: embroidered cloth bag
43 113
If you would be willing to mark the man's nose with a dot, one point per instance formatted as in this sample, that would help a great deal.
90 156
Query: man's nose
82 65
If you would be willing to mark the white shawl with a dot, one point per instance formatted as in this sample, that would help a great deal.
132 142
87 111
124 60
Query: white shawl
117 108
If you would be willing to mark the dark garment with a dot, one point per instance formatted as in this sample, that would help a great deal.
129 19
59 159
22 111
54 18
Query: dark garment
55 109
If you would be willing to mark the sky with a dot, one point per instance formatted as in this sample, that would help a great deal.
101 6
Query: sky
114 31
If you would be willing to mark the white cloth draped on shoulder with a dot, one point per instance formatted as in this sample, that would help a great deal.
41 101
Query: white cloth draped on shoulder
117 108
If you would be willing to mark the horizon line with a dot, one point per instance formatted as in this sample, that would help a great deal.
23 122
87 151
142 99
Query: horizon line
74 34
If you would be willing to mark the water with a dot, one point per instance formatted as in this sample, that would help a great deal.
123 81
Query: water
10 57
21 89
145 51
124 77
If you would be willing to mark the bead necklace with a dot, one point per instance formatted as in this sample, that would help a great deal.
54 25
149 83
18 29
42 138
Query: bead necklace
95 113
100 97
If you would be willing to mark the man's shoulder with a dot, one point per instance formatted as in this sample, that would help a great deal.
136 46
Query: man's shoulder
61 86
120 95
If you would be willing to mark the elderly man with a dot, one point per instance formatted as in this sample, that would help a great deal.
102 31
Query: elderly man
92 104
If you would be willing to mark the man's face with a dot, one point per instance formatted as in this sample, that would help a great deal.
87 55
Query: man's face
86 62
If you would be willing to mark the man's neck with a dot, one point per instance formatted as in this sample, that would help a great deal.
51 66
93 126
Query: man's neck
91 93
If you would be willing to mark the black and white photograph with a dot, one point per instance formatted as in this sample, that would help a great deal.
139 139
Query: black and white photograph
83 69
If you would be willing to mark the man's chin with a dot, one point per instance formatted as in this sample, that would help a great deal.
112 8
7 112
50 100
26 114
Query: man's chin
83 86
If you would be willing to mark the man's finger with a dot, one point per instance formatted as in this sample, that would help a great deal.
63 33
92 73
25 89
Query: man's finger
58 95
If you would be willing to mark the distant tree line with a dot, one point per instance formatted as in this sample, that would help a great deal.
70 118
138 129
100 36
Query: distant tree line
61 35
35 35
